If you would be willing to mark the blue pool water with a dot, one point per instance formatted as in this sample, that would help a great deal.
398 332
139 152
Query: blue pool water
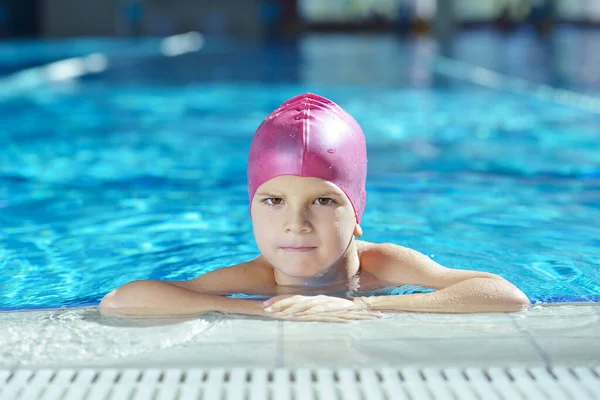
138 172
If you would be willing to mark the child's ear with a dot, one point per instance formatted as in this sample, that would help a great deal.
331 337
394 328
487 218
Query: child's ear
358 231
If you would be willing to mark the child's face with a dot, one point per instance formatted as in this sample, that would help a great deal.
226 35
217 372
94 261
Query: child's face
309 214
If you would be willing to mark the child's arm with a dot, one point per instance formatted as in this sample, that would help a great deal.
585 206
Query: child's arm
157 298
469 296
459 291
193 297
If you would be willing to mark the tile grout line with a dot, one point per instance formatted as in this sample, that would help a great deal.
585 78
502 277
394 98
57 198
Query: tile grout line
531 339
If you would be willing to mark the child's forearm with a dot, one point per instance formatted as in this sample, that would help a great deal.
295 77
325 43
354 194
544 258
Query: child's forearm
157 298
469 296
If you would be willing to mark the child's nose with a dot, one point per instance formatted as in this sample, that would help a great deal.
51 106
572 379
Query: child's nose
297 221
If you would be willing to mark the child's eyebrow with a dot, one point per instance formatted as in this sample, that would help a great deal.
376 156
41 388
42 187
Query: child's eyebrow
326 193
329 193
272 194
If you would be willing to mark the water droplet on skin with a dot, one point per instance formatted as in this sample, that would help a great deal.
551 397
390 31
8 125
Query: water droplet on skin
331 151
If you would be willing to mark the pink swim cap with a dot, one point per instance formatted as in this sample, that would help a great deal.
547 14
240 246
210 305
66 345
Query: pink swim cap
311 136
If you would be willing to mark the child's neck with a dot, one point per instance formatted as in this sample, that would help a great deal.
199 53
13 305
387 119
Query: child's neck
342 270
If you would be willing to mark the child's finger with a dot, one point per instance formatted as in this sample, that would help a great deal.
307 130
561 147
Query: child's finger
275 299
267 303
320 318
360 316
283 304
345 314
310 317
300 306
330 317
319 309
324 308
373 314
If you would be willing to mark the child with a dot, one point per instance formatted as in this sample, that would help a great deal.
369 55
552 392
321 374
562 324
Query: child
306 179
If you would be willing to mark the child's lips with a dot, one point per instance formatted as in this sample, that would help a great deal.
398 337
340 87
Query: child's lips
298 249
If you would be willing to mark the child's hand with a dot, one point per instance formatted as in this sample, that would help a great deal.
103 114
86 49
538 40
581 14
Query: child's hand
318 308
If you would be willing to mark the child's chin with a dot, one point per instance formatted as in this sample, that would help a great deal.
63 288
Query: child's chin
300 271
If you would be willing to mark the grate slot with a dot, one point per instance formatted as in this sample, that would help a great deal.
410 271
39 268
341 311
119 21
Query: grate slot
325 384
391 384
213 389
482 384
503 383
588 378
20 378
547 382
99 392
31 392
349 385
461 384
4 375
281 385
194 376
41 377
258 384
371 384
303 385
164 392
236 390
527 384
572 384
141 392
431 374
52 392
190 392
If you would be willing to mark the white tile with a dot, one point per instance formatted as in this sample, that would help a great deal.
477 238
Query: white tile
433 352
214 355
239 329
406 325
257 355
576 326
83 336
560 310
571 351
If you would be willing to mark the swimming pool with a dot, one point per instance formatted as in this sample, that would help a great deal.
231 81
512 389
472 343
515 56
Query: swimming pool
138 171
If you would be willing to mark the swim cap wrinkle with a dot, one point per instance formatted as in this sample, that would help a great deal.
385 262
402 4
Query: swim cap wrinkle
311 136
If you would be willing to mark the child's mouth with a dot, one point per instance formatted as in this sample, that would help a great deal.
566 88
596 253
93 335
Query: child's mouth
298 249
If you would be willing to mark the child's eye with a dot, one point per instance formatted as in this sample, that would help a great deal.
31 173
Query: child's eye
272 201
275 201
324 201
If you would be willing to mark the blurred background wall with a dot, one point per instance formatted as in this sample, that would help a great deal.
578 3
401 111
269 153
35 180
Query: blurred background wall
281 18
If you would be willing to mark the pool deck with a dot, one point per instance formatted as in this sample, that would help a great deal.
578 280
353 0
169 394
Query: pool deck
551 334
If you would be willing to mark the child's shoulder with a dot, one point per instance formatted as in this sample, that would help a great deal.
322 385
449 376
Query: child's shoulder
379 250
237 278
257 272
379 257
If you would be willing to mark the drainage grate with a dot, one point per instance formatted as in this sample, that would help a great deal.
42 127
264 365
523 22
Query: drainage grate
300 384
